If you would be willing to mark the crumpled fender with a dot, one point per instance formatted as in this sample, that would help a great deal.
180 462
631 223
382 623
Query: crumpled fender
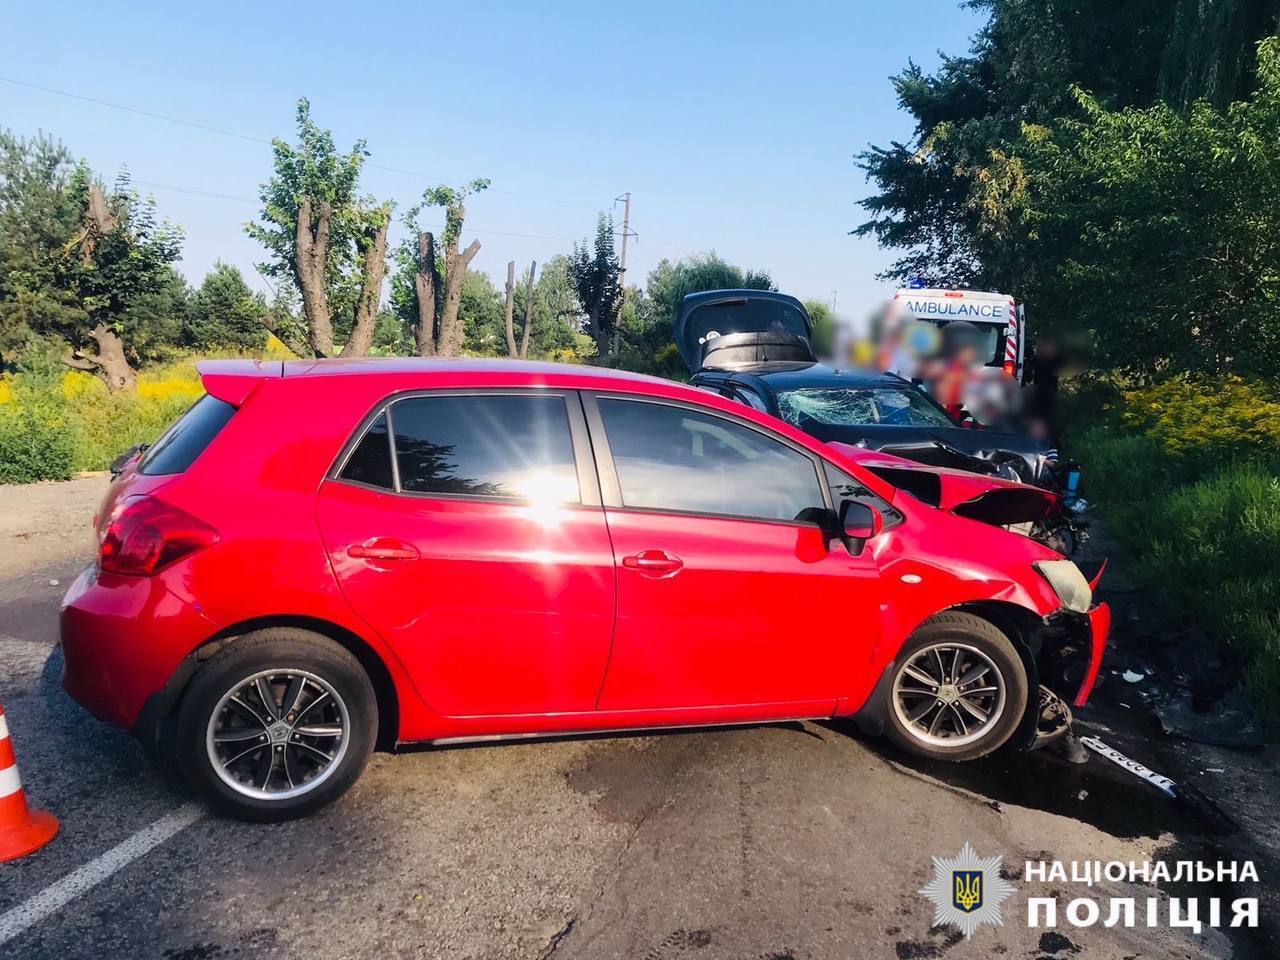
942 563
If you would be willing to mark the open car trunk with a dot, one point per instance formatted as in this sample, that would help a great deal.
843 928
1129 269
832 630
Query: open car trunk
733 329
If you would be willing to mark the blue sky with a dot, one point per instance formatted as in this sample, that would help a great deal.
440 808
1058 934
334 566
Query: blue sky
733 124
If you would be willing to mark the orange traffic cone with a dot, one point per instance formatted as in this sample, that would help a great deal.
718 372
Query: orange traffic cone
22 830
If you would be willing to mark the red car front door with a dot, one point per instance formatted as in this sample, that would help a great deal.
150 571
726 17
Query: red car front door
480 553
724 597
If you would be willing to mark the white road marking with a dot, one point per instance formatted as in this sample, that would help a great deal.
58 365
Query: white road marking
85 878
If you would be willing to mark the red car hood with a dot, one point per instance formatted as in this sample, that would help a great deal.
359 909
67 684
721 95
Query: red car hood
989 499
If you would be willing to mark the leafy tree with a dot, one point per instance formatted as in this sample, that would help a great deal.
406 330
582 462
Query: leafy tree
1209 52
224 312
1021 69
153 324
480 309
80 263
326 239
594 269
824 327
669 283
39 215
121 258
390 336
1152 229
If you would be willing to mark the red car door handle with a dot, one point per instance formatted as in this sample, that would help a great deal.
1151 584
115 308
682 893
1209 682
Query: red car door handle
383 548
654 562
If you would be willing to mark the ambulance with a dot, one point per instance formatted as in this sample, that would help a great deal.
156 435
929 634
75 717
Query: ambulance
996 315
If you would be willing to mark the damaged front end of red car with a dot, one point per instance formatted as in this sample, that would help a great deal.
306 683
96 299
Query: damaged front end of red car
1066 646
1018 507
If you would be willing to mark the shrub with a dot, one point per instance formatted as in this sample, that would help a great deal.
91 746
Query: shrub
1225 417
34 446
1195 495
57 425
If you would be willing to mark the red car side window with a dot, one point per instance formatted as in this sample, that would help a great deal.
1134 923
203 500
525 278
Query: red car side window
680 460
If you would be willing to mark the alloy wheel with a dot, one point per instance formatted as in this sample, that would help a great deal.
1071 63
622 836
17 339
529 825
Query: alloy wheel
278 734
948 694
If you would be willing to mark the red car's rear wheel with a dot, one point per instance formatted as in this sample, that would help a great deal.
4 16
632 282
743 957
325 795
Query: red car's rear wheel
277 724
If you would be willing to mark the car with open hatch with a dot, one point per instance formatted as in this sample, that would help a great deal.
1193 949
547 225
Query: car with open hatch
321 558
756 347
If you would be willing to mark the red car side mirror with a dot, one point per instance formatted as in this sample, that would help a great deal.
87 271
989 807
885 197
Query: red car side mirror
860 521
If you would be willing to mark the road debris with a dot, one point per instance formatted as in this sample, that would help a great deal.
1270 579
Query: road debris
1190 796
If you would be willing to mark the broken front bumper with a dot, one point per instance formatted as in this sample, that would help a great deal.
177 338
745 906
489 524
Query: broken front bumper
1099 620
1068 651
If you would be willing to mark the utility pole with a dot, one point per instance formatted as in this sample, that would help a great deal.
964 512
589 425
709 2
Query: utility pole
626 232
622 264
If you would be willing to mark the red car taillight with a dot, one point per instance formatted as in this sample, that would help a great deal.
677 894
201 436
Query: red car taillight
145 535
1010 368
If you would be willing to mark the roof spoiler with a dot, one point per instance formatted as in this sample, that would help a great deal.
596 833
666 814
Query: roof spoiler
232 381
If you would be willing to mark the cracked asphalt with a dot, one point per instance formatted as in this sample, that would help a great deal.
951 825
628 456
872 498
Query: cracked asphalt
781 841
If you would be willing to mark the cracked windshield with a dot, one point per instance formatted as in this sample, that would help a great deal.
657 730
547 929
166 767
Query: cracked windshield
847 407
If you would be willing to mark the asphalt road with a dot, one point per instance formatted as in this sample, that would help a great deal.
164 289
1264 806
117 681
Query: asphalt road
783 841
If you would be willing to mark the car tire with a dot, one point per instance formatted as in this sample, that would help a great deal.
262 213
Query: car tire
944 720
276 724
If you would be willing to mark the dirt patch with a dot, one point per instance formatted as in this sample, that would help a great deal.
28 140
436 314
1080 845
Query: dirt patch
45 525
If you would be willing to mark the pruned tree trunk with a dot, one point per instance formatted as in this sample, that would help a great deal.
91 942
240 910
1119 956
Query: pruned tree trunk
109 362
375 268
102 218
287 334
451 332
512 350
598 332
528 312
426 281
310 257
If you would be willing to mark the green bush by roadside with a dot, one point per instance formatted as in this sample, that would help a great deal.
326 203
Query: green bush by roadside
56 422
1187 476
34 445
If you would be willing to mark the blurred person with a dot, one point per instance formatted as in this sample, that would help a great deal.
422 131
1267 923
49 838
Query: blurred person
897 345
1040 413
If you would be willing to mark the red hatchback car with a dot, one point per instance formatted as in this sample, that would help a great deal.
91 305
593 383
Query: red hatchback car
324 557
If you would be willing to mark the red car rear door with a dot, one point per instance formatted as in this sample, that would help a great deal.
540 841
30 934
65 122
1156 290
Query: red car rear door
480 552
724 597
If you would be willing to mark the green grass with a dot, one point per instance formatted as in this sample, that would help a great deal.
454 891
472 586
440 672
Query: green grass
1203 535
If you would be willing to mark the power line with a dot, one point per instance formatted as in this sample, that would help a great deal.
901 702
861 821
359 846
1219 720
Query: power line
242 136
191 190
212 195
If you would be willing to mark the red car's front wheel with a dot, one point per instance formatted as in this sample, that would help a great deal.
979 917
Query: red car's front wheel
959 689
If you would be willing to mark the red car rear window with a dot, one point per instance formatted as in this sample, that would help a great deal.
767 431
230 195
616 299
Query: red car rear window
183 442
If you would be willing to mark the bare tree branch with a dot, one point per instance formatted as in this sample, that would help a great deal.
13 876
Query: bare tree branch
81 361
